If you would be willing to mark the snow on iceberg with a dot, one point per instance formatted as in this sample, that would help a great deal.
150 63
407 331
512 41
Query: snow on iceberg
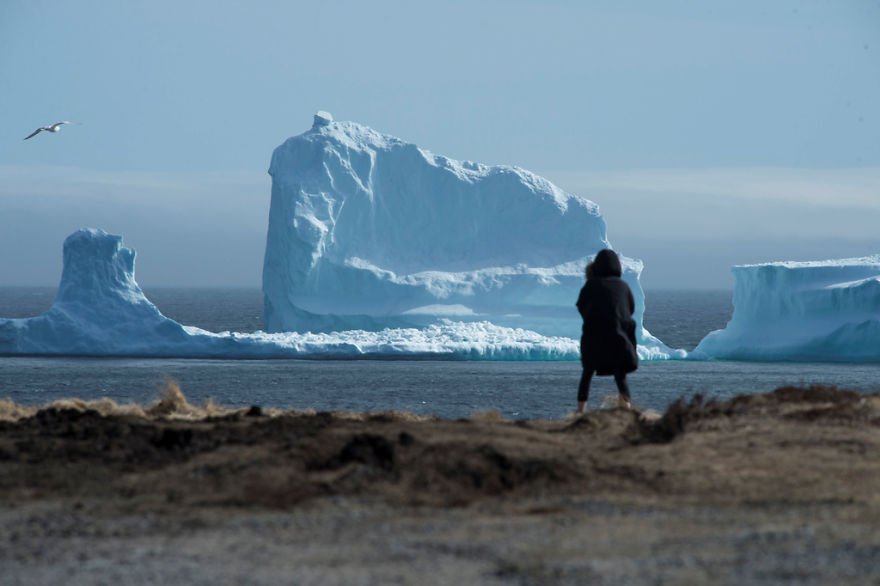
367 231
808 311
101 311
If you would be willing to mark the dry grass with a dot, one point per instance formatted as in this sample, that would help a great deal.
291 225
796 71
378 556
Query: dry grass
171 405
490 416
11 411
809 444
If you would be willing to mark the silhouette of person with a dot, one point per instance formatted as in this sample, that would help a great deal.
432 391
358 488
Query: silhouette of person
608 337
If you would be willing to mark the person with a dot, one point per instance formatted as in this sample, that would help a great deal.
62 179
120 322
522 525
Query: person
608 338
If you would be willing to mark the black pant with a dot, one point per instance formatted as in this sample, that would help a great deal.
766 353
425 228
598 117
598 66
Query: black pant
587 377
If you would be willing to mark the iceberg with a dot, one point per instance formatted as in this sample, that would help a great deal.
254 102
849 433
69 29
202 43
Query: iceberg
805 311
367 231
100 310
375 248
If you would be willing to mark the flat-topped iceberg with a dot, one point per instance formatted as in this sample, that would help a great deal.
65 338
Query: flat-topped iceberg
367 231
101 311
809 311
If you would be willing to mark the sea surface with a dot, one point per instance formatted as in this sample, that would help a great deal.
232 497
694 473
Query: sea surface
443 388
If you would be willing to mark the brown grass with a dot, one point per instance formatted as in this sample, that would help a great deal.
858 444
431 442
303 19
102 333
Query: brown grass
171 405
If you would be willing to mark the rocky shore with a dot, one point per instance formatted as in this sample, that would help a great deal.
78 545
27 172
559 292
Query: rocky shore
782 487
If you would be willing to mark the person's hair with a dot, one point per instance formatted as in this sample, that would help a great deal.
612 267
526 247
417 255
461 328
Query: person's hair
606 264
588 272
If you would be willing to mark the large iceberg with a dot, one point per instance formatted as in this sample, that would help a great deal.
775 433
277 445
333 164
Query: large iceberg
101 311
375 248
367 231
809 311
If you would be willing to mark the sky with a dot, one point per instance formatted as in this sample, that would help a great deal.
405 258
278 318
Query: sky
710 133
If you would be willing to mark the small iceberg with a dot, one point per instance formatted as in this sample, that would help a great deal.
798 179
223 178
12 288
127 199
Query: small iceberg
818 311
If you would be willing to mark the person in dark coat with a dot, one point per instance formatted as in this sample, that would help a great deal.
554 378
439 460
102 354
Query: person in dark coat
608 338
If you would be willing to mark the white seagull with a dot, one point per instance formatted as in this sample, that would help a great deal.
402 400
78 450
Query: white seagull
53 128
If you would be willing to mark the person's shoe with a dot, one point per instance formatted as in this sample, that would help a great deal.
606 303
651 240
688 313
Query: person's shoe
624 403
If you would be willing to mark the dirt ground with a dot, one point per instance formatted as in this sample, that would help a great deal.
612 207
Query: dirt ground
772 488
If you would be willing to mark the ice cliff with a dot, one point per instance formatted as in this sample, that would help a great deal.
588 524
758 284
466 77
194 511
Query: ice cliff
810 311
367 231
101 311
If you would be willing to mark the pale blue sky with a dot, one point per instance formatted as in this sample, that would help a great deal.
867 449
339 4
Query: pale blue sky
710 133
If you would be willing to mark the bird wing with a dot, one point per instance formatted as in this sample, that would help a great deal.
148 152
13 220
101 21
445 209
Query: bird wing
58 124
33 134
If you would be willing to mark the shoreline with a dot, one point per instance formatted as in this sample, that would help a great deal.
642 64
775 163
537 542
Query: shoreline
782 487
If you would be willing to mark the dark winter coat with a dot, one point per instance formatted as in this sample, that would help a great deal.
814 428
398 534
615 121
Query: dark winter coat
606 304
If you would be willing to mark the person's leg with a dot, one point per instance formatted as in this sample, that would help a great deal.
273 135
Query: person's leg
584 389
623 389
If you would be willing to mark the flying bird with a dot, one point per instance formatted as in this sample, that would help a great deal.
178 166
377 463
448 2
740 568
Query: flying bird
53 128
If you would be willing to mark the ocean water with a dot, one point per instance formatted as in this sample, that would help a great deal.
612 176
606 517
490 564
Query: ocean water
443 388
